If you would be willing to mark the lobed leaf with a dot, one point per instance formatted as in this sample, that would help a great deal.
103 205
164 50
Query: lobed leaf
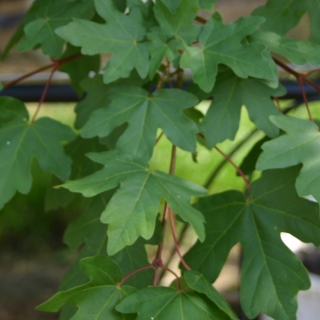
127 220
271 274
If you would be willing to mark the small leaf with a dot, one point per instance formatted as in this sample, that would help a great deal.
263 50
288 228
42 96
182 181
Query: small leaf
222 44
145 114
122 36
169 303
1 86
207 4
79 68
172 5
96 299
268 265
300 144
142 190
199 283
17 136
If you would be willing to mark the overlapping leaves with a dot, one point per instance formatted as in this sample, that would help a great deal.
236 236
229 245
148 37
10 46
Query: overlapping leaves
44 18
121 36
127 220
230 94
300 144
221 44
145 114
271 274
21 141
96 299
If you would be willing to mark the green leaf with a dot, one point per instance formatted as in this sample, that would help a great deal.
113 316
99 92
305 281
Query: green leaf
142 190
271 274
297 51
313 9
169 303
281 15
98 95
199 283
178 24
122 36
207 4
248 164
96 299
145 114
222 44
79 68
230 94
1 86
45 18
21 141
160 47
172 5
300 144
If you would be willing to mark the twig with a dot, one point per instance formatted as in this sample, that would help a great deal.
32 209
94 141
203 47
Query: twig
133 273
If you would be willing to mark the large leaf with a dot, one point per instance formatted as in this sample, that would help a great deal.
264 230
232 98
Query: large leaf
297 51
44 18
21 141
271 274
142 189
230 94
169 303
122 36
98 298
222 44
313 9
300 144
145 114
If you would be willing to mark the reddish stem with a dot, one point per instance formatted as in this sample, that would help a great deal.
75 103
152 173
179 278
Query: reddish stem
158 139
300 80
171 271
236 167
133 273
176 244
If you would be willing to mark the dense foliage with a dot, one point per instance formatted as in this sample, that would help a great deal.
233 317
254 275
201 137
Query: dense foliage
137 99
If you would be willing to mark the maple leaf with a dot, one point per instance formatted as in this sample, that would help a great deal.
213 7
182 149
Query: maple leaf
313 9
79 68
300 144
297 51
21 141
230 93
221 44
98 298
43 19
268 265
127 220
145 114
122 36
98 95
176 19
171 303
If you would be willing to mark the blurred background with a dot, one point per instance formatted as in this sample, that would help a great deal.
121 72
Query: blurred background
33 257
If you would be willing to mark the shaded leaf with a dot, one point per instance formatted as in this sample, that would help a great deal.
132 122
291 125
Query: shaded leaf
121 36
221 44
230 94
300 144
297 51
142 190
207 4
79 68
17 136
271 274
199 283
313 9
145 114
96 299
170 303
45 18
281 15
